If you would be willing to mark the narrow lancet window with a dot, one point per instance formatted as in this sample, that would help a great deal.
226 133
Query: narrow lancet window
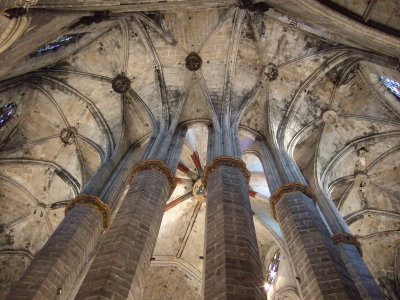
62 41
392 86
6 113
272 271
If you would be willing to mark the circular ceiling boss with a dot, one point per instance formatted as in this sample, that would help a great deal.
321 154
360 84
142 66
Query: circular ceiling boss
121 84
193 62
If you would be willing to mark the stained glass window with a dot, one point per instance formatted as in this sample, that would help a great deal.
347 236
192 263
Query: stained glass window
6 113
58 43
272 270
391 85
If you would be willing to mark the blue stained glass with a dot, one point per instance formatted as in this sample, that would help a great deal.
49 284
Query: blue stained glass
60 42
6 113
391 85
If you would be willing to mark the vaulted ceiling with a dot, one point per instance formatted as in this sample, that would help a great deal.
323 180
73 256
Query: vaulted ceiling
326 108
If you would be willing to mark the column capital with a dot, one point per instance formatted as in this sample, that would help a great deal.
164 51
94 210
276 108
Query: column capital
291 187
94 202
157 165
228 161
346 238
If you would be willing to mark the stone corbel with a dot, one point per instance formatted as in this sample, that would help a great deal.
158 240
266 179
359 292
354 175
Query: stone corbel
157 165
292 187
346 238
225 161
94 202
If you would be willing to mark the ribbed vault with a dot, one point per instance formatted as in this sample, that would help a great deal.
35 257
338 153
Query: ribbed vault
325 106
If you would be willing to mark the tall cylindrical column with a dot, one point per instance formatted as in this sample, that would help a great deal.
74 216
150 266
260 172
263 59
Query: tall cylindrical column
119 268
232 262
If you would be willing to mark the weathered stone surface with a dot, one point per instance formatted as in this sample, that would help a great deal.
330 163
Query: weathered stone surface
72 88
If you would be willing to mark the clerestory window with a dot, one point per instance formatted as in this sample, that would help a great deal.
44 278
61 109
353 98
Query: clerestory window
391 85
62 41
7 112
272 271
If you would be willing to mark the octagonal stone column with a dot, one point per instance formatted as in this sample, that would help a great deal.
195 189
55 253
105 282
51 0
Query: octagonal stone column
232 262
120 267
350 257
320 269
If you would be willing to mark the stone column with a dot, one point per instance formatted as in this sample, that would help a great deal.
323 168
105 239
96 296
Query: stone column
55 268
351 252
349 249
320 269
232 262
119 268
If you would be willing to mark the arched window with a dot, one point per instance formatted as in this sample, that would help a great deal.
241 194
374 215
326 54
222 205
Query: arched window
391 85
62 41
272 271
6 113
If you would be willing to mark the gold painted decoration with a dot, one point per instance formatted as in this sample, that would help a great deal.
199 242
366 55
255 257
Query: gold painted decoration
157 165
225 161
199 192
94 202
346 238
292 187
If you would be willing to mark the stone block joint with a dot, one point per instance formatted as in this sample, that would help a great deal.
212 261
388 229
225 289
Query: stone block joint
225 161
157 165
292 187
94 202
346 238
